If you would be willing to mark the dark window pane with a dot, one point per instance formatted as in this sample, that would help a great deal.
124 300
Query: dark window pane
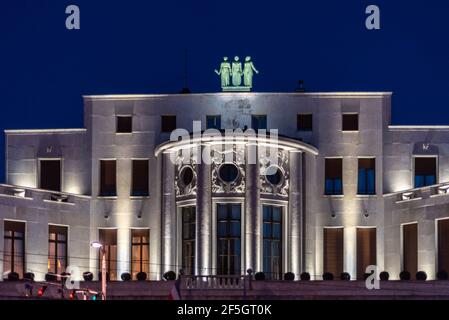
304 122
50 175
140 178
228 239
259 122
366 177
168 123
425 171
350 122
57 249
333 177
108 178
124 124
272 242
213 122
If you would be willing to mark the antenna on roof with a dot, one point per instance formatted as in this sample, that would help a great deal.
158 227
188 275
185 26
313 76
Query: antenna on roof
186 89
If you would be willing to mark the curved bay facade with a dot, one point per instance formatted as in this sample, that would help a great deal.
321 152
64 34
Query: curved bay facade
345 190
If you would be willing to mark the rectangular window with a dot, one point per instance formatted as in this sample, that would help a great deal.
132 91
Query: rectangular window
108 178
272 242
188 239
259 122
410 248
140 182
350 122
367 177
425 171
50 175
140 252
213 122
14 247
304 122
168 123
108 237
366 250
228 239
334 177
443 245
57 249
124 124
333 251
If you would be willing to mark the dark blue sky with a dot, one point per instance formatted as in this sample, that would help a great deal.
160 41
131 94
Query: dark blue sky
137 46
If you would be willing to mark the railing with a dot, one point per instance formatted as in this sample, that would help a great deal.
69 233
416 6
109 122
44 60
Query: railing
215 282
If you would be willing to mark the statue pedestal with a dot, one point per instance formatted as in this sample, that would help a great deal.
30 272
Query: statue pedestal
236 89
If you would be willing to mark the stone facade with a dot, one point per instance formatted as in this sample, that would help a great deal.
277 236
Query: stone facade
306 211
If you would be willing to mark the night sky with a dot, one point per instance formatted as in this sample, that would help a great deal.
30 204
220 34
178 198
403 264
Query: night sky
139 47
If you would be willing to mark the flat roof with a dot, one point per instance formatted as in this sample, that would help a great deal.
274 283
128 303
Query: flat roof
45 131
305 94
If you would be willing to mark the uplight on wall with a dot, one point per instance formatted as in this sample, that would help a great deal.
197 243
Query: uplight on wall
443 189
407 196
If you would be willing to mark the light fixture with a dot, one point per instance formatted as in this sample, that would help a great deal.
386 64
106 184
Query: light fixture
443 189
96 245
407 196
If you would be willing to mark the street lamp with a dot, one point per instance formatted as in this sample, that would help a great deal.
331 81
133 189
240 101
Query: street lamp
98 245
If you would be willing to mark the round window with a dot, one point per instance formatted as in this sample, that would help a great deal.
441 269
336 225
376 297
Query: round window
186 175
274 175
228 172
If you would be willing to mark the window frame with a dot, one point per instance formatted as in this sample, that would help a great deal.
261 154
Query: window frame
13 253
100 194
367 194
117 117
229 237
414 169
141 244
39 173
298 127
56 242
107 248
164 116
132 193
280 240
189 240
213 116
342 178
343 121
258 116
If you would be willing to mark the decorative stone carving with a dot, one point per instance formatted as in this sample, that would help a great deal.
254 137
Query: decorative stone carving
185 186
275 185
222 157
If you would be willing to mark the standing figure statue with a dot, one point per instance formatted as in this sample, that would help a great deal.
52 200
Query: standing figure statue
225 73
248 72
236 72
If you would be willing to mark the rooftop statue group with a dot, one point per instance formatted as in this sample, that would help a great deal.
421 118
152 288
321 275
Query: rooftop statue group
235 73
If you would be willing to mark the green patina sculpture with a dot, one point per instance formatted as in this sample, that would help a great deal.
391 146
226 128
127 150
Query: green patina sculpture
236 72
233 72
248 72
225 73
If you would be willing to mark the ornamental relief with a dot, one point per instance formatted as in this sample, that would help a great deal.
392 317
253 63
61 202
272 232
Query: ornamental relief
274 174
185 173
228 169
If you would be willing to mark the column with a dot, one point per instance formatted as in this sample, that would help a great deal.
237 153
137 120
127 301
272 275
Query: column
123 251
252 211
203 254
296 214
350 251
2 229
168 215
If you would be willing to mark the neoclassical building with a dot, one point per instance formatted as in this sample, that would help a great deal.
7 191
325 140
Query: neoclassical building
345 189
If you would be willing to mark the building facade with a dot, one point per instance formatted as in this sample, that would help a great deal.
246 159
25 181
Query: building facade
344 190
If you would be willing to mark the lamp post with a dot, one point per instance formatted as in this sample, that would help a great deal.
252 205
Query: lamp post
98 245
